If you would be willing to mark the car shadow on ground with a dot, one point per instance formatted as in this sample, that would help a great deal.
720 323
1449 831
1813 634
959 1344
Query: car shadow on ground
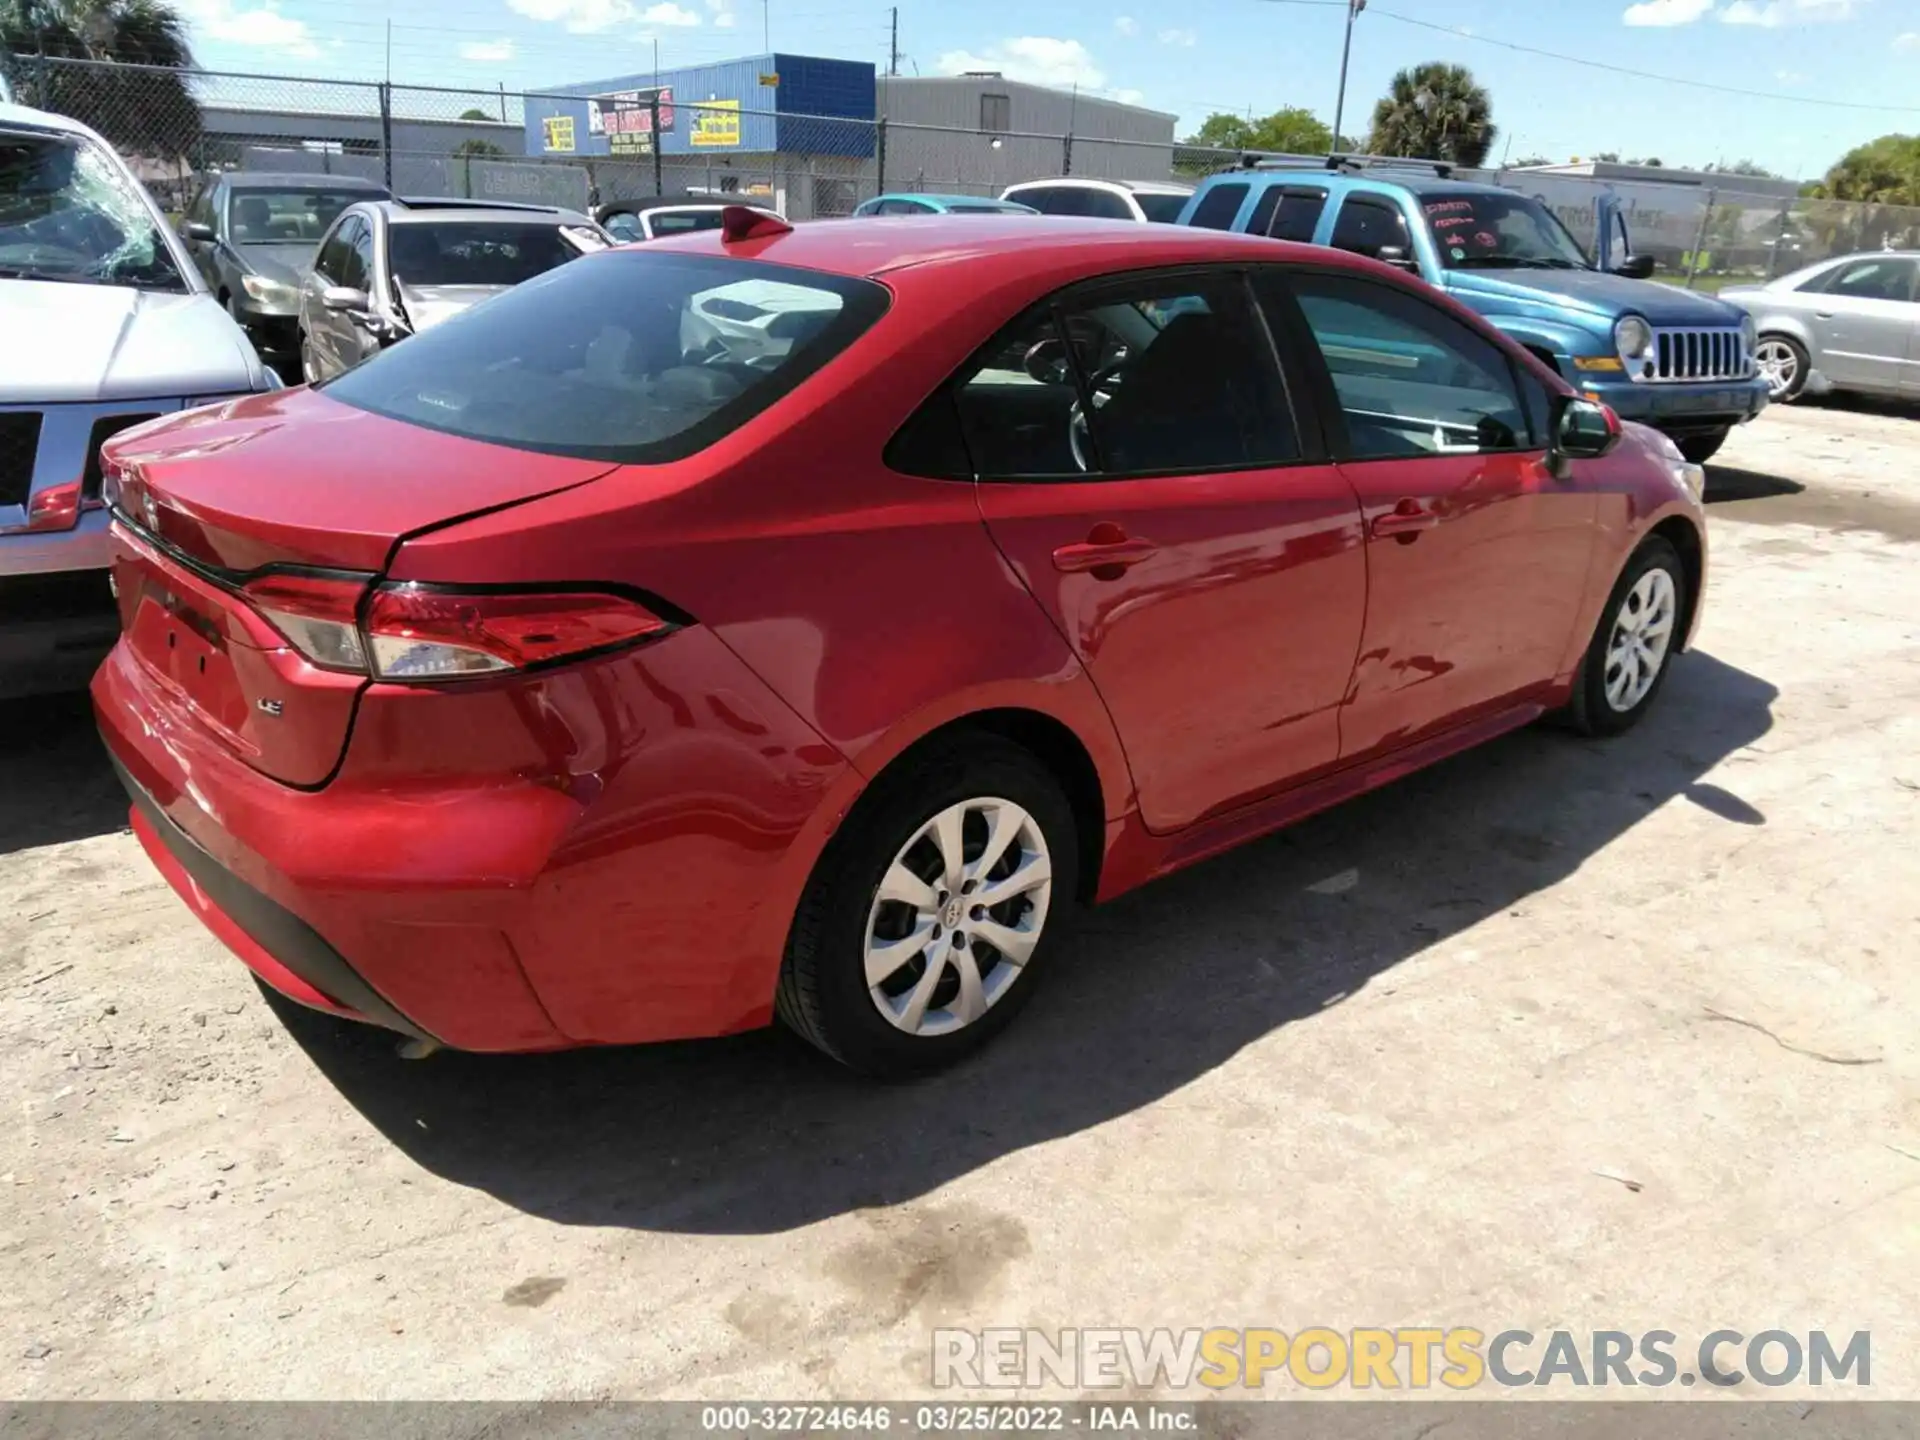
758 1134
55 782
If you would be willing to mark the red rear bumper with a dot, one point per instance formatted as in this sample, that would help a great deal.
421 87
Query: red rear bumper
609 853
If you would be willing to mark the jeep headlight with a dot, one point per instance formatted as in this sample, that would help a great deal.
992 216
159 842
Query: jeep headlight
269 292
1633 337
1749 333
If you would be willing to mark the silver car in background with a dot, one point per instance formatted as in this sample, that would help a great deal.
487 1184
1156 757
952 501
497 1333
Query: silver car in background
388 269
104 323
1846 324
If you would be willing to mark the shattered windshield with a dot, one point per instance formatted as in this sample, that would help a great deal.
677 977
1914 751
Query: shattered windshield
68 213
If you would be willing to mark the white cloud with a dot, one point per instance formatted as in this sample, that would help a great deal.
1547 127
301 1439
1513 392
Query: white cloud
488 52
1908 41
722 12
1186 39
1127 97
669 14
1667 12
1775 13
1789 77
1035 59
580 17
1127 25
262 26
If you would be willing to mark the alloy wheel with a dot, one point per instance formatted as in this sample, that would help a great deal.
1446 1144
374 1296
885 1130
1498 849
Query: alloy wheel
1642 636
957 916
1779 366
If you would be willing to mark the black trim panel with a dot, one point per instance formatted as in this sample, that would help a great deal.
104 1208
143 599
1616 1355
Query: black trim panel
277 930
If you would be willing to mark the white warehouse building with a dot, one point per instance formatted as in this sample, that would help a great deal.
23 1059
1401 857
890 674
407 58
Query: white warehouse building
975 134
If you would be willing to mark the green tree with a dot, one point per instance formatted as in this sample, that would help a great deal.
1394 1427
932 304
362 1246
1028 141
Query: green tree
1745 167
1293 131
1434 112
137 89
477 115
1880 185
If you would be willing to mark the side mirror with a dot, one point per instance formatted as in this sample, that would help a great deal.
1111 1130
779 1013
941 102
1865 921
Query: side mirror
346 300
1396 256
1582 430
197 231
1636 267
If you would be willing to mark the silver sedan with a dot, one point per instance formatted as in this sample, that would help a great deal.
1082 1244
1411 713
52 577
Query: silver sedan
1846 324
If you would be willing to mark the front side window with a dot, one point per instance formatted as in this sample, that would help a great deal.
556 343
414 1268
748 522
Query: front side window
1103 205
494 253
1474 231
1366 226
332 261
634 357
1160 209
357 263
285 217
68 212
1159 376
1412 381
1879 279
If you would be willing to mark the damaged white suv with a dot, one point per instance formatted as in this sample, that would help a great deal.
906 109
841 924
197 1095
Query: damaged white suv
104 323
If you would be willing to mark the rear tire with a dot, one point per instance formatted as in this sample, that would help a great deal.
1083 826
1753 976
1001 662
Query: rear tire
1619 679
913 978
1701 448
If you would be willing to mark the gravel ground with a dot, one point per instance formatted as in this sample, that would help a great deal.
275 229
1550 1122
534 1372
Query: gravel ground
1683 960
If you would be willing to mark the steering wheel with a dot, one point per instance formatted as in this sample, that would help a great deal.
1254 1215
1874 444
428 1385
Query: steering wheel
1100 386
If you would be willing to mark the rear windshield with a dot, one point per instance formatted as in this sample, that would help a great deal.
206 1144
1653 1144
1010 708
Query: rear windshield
1161 209
450 252
633 356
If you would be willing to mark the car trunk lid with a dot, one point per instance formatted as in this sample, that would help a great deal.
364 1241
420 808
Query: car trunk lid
231 525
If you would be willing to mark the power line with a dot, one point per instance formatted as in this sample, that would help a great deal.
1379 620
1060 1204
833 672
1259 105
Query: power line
1462 34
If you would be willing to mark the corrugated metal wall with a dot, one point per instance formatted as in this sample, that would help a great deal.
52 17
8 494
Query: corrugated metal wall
955 153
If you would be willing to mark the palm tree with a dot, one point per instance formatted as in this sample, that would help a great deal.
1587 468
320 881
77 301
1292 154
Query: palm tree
1434 112
122 66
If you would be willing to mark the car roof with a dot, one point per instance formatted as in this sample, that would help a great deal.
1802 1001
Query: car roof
886 244
1385 176
299 179
1131 187
938 199
470 212
26 115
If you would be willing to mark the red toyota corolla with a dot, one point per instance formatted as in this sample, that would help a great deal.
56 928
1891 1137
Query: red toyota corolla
805 621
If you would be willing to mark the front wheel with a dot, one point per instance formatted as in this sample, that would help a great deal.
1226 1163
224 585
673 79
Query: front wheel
918 937
1784 364
1701 448
1632 648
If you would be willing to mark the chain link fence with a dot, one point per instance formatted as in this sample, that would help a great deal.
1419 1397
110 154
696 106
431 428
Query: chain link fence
176 127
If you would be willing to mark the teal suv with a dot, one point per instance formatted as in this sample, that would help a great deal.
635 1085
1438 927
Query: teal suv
1680 362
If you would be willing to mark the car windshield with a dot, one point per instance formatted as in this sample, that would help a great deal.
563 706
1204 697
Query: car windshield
1503 231
475 253
633 357
286 217
68 212
1161 209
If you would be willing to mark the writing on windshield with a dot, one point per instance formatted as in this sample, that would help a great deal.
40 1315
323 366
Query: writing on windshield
1495 231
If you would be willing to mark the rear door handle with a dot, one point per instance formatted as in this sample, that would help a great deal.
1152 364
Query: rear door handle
1099 552
1406 520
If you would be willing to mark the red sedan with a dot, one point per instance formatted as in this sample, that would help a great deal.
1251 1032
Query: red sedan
806 621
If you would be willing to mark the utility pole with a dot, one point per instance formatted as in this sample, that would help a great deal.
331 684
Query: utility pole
766 25
389 50
1346 53
893 44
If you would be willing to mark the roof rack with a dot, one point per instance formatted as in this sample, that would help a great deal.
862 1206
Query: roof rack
1354 164
433 202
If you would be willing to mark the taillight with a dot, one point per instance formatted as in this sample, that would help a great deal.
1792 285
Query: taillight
57 507
317 615
415 632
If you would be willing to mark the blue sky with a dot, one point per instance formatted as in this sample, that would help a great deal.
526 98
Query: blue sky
1808 58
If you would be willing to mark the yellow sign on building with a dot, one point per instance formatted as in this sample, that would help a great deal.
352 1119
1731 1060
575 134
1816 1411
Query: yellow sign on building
559 130
715 123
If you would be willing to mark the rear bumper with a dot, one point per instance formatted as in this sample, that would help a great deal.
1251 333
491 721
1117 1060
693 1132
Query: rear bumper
55 629
1682 409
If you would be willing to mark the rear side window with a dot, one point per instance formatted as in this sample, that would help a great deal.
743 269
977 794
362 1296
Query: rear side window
1263 209
1298 215
634 358
1218 207
1104 205
1367 226
1052 199
1161 209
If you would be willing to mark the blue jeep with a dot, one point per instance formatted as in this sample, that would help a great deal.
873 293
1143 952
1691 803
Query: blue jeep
1680 362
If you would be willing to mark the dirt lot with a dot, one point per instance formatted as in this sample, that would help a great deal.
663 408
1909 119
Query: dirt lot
1685 959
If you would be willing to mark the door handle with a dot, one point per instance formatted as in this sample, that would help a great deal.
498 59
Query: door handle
1106 548
1823 314
1405 521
